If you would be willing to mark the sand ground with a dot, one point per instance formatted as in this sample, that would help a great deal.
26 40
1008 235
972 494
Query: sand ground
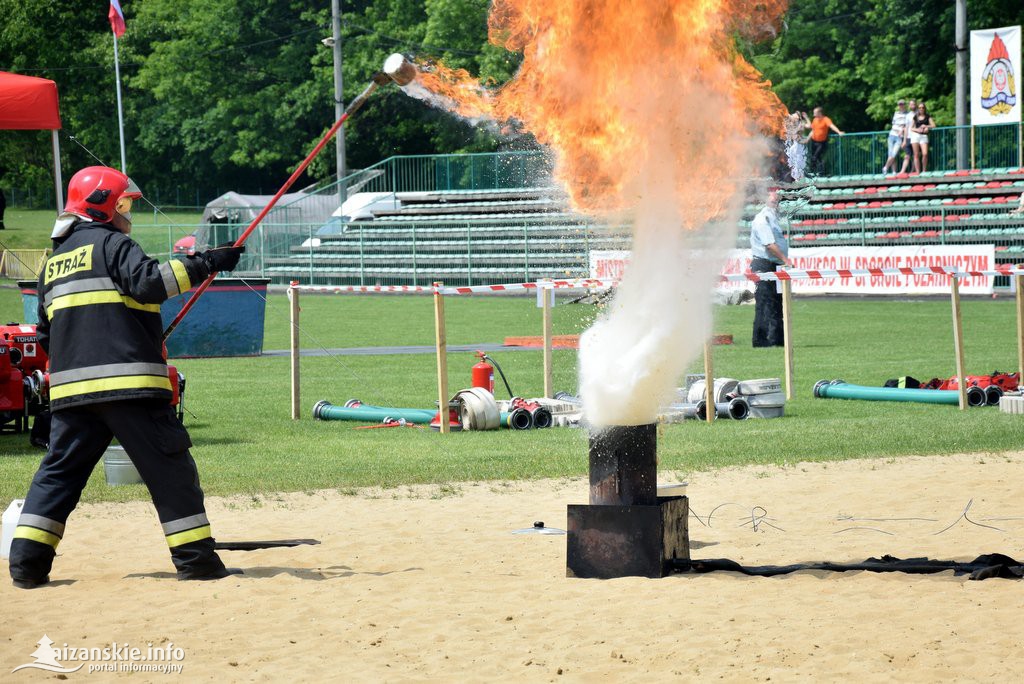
430 584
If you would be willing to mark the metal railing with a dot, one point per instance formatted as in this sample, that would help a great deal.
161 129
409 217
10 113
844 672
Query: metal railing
436 172
986 147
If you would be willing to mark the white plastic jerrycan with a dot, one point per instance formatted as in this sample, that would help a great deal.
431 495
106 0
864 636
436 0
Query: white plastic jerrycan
10 521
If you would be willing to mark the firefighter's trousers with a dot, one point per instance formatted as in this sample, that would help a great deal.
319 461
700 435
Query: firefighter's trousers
157 444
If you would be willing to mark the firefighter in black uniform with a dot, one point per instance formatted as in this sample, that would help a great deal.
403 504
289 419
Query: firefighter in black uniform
99 320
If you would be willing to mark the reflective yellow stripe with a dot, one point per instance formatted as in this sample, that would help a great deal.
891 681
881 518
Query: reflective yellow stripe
103 297
41 536
188 536
132 304
181 275
106 384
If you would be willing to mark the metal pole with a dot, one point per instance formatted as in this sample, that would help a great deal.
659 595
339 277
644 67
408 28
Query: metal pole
339 103
57 181
961 46
120 114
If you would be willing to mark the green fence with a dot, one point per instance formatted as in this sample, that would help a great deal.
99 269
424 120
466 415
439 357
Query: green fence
985 147
433 172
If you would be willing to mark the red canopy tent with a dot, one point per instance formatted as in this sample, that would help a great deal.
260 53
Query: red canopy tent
30 103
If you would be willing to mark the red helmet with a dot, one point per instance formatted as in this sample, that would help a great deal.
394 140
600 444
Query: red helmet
95 191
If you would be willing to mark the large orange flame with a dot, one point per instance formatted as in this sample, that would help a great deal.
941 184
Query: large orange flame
621 88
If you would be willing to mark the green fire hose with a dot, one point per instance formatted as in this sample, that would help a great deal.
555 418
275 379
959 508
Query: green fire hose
324 410
837 389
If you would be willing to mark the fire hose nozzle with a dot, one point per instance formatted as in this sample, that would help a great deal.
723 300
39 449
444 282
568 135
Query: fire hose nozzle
976 396
518 419
399 69
319 406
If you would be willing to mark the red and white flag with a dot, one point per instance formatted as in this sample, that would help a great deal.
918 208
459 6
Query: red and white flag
116 17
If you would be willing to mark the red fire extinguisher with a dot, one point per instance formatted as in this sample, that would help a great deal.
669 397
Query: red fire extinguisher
483 373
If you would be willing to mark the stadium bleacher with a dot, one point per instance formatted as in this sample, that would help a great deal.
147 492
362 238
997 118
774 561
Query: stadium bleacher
521 234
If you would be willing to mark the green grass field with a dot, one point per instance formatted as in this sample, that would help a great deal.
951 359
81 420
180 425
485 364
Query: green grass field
245 442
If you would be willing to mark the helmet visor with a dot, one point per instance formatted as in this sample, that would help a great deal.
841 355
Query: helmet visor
124 205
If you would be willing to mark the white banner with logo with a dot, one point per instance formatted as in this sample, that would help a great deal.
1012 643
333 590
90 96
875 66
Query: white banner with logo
612 264
995 76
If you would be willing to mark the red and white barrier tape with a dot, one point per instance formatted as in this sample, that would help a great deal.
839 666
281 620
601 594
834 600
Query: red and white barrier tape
575 284
582 283
842 273
366 289
588 283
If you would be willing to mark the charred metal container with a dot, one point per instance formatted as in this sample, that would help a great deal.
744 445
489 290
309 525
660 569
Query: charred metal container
627 530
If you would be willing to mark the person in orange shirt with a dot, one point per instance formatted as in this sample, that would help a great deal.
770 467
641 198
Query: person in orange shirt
818 139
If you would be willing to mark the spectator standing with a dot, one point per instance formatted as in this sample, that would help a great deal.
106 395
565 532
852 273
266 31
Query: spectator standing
897 135
923 122
820 126
3 208
768 249
908 149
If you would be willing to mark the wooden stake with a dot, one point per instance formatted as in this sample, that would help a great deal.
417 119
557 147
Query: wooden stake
709 384
1019 282
441 343
958 340
293 299
546 293
787 330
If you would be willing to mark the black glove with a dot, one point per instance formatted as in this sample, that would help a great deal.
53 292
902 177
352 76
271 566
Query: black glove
222 257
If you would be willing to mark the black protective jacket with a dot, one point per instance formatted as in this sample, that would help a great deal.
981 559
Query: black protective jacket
99 316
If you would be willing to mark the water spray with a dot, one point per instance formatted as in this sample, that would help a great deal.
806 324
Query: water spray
396 69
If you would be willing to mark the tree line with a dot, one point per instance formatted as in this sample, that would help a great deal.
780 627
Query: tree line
231 94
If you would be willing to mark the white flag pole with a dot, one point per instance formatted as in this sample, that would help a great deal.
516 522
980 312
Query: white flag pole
120 114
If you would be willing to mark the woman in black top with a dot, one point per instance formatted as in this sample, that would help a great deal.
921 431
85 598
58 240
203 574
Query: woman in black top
923 123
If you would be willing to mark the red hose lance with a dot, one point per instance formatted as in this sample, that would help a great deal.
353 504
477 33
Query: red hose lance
379 79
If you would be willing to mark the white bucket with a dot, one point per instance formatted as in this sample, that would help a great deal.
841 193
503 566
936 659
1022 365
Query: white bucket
9 522
118 468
